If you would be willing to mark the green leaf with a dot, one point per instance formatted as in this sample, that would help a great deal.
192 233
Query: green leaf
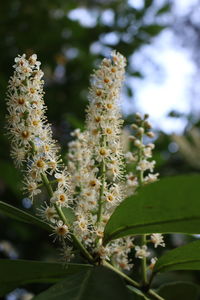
170 205
97 283
153 29
148 3
20 272
164 9
179 290
19 215
69 214
74 121
182 258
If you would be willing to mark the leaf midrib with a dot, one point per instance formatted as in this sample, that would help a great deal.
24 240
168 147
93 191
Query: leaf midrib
177 263
127 227
23 216
82 287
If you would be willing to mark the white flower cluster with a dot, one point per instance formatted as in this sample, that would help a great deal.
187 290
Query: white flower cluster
141 156
31 138
104 132
24 95
142 168
95 160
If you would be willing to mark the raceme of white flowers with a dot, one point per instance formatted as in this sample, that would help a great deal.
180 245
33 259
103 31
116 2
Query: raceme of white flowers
99 174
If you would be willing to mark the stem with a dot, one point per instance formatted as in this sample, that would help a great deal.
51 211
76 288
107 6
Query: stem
50 182
82 249
133 282
103 178
155 295
63 218
144 263
47 184
151 293
33 148
144 238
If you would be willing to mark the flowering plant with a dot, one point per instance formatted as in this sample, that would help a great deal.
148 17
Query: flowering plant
106 207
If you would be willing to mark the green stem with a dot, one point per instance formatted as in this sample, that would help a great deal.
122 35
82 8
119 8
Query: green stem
47 184
133 282
50 182
103 179
33 148
82 249
151 293
144 238
63 218
144 264
154 295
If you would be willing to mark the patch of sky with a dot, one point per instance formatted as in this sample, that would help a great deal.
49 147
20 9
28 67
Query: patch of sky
85 17
107 17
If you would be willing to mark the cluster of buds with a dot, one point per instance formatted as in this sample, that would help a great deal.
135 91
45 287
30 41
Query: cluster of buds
141 157
141 168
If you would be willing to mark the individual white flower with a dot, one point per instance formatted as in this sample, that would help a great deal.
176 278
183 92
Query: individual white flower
61 230
144 165
150 178
153 262
141 252
132 180
81 223
50 213
157 240
130 157
124 263
60 197
103 252
31 187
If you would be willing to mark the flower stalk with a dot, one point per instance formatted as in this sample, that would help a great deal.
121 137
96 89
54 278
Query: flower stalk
134 283
60 213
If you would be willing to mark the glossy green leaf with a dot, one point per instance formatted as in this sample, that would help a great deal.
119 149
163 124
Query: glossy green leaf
20 215
179 290
69 214
170 205
97 283
15 273
182 258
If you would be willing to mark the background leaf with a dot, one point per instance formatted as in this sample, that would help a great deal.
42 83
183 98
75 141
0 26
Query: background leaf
167 206
69 214
164 9
15 273
183 258
179 290
20 215
152 29
97 283
10 176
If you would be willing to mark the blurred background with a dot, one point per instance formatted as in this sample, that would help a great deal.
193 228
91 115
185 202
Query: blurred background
161 40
